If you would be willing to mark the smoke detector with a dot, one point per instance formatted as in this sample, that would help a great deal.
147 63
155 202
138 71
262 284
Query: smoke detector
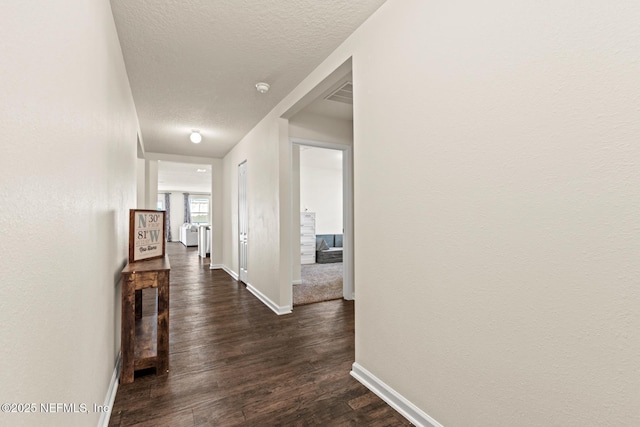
262 87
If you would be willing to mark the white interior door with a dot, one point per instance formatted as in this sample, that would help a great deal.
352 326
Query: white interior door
243 220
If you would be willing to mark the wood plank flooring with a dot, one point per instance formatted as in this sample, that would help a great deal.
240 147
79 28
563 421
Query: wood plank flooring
233 362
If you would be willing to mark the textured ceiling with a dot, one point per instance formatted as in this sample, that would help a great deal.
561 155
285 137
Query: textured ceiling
189 177
193 64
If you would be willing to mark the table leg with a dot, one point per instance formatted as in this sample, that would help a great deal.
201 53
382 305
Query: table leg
128 331
163 323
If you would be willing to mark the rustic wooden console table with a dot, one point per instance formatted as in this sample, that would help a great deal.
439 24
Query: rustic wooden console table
145 340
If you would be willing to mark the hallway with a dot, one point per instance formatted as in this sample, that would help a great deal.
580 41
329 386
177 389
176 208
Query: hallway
233 362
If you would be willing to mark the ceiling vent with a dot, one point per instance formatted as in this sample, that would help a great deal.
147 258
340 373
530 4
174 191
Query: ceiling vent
343 94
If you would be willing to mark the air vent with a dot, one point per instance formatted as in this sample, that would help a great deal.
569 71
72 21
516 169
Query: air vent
343 94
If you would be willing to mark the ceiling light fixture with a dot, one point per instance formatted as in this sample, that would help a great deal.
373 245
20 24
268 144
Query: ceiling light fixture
195 136
262 87
201 170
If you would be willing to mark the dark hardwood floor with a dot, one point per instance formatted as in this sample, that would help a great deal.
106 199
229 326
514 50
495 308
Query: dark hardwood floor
233 362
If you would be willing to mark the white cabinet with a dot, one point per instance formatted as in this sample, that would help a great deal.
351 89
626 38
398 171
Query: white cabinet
307 238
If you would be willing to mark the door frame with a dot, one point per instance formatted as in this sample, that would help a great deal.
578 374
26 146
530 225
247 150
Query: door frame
348 285
242 186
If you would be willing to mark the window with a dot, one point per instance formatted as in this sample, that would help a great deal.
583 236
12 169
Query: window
199 209
160 205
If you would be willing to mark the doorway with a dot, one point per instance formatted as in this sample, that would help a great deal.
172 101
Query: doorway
323 118
326 212
184 191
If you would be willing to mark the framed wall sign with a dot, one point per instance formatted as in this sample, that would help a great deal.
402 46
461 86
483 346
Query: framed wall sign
146 234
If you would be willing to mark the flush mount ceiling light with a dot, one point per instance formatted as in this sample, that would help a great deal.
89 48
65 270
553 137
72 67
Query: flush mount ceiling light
201 170
195 136
262 87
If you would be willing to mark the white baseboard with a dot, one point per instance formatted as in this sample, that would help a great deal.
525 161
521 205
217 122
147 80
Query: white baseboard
266 301
215 266
229 271
111 394
407 409
297 282
262 297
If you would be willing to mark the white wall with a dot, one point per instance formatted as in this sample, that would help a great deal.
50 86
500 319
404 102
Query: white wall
67 180
508 159
315 127
296 255
495 155
151 183
176 217
321 188
216 212
260 149
141 195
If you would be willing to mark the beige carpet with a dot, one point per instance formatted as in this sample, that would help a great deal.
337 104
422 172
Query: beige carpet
320 282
